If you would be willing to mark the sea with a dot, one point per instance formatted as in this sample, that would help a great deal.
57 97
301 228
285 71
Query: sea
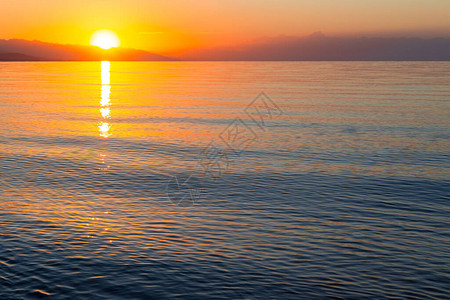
224 180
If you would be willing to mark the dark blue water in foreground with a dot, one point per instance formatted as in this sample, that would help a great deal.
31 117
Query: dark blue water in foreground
166 181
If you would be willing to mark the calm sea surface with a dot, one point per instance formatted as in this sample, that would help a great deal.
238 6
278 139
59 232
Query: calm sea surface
174 180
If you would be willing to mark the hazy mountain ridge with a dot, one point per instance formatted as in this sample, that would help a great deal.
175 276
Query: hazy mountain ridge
17 57
317 47
16 49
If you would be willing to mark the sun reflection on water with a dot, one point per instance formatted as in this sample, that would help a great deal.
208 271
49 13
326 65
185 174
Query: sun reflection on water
106 91
104 127
106 112
106 66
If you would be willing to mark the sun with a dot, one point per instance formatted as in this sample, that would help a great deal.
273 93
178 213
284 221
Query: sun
105 39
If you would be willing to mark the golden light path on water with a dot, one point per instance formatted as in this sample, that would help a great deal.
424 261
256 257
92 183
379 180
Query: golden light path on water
104 127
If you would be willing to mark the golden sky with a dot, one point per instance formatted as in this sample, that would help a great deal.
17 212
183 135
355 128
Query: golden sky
168 26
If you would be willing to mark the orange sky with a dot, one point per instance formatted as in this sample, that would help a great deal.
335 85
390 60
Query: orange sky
168 26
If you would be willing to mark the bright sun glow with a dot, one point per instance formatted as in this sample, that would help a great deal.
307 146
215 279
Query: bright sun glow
105 39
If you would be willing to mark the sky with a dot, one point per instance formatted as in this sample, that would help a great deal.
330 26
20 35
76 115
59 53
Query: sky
171 26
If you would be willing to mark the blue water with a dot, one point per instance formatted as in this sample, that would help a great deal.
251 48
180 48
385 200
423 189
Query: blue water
173 180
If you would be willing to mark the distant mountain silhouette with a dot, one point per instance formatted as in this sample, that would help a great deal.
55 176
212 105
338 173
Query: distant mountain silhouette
24 50
318 47
16 57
